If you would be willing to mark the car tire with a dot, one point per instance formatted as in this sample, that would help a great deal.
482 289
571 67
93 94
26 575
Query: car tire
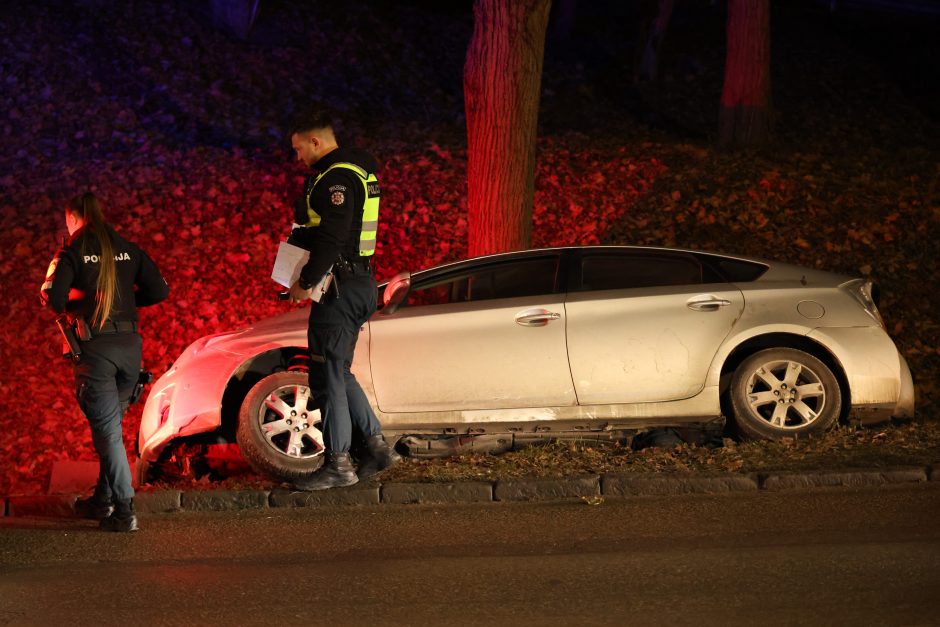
783 392
279 427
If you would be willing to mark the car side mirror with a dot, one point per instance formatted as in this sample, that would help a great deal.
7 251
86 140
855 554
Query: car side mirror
395 291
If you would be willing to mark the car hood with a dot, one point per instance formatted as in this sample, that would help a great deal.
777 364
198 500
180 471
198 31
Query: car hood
287 329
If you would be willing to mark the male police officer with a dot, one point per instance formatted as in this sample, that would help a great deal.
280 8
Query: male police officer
340 210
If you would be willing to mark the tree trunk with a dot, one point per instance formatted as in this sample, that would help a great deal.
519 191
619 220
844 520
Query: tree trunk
745 117
502 79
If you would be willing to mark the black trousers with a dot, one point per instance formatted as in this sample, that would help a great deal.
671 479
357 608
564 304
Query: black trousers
332 334
104 379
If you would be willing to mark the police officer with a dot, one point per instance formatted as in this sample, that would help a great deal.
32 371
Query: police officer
92 281
340 212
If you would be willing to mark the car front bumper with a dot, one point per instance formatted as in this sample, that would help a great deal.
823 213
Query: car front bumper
184 401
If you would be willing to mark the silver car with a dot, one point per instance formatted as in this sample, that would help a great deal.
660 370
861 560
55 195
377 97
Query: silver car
586 342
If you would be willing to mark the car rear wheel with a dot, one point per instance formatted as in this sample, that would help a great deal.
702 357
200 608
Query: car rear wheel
784 392
279 427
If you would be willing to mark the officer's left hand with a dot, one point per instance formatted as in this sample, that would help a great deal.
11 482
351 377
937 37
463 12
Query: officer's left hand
298 294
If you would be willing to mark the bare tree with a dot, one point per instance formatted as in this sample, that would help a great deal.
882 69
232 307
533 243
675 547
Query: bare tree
745 117
502 81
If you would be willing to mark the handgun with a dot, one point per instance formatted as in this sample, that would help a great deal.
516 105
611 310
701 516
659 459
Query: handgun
70 346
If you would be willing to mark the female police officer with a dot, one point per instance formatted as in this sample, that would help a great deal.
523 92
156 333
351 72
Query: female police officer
92 281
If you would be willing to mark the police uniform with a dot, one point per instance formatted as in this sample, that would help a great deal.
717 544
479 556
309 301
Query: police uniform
109 365
340 211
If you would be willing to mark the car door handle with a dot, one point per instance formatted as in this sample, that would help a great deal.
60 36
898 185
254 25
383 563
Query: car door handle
536 317
706 303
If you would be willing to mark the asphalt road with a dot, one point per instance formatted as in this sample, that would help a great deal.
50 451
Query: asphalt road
823 557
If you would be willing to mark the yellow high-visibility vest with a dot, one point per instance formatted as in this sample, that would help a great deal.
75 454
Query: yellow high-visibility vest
370 208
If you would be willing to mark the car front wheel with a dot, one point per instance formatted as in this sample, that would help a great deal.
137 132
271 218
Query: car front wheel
784 392
279 427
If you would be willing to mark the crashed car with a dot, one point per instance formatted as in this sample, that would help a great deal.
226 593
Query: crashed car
584 342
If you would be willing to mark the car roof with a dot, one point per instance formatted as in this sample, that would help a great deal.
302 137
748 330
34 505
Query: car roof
775 271
535 252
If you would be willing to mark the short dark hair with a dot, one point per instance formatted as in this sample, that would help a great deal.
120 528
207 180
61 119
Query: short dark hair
311 120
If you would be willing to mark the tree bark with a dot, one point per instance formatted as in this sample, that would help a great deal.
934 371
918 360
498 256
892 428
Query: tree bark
502 82
745 116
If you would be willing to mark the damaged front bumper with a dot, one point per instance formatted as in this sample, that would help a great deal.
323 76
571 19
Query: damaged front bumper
185 401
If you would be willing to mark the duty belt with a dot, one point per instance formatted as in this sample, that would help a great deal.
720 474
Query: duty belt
353 265
115 326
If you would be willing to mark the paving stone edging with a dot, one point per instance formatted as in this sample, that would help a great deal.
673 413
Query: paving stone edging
588 487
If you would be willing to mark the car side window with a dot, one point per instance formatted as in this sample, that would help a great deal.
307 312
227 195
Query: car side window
510 279
627 271
439 293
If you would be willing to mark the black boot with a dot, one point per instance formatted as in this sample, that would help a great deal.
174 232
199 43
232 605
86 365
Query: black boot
94 507
122 518
336 472
377 457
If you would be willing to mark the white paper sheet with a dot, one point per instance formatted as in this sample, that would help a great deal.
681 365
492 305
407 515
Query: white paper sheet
289 262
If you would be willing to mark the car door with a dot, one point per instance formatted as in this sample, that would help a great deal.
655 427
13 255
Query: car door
487 336
644 326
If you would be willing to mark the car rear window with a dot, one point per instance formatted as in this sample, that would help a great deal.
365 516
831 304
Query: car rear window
737 271
628 271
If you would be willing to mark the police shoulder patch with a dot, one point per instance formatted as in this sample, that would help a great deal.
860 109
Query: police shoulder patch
338 198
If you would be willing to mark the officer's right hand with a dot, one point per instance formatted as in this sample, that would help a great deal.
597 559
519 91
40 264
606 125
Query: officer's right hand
298 294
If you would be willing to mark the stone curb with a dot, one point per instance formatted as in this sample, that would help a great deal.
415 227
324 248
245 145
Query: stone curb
512 490
638 485
223 500
367 494
848 478
159 502
543 488
464 492
52 505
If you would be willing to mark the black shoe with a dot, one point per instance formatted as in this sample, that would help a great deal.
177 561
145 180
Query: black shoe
94 508
336 472
377 457
122 519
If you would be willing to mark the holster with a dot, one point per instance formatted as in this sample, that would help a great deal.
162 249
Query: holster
70 346
143 379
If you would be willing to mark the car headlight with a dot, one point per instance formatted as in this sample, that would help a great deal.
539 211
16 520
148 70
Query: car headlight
866 293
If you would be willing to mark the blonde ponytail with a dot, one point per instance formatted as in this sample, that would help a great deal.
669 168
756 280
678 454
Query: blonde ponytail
89 208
